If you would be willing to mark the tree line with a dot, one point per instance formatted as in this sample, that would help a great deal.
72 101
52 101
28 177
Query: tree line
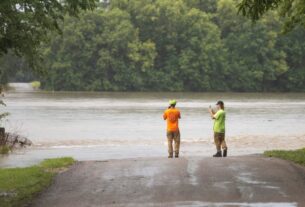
165 45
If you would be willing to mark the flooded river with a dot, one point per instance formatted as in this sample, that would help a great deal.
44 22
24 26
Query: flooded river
126 125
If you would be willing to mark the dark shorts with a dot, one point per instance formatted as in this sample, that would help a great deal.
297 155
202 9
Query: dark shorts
220 142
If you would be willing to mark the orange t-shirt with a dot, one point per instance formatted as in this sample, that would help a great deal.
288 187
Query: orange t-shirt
172 115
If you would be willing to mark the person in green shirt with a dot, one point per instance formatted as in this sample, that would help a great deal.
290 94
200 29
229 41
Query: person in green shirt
219 129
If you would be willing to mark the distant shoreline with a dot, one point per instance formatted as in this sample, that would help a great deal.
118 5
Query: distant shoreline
33 86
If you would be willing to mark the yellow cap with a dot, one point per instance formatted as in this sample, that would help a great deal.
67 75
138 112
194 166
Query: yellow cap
172 102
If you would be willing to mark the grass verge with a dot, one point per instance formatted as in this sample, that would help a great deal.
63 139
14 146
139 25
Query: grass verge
18 186
297 156
4 150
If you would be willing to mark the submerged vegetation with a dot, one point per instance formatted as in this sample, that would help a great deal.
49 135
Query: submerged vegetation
18 186
297 156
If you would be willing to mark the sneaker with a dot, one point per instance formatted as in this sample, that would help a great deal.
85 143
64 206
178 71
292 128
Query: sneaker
176 155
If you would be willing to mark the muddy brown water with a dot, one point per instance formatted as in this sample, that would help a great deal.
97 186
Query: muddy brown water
105 125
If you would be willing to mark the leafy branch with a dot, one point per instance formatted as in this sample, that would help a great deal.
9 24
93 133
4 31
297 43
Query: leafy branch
292 11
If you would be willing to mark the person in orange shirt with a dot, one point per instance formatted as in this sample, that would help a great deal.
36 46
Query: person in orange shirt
172 115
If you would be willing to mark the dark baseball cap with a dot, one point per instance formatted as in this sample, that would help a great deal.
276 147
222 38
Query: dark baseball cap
220 103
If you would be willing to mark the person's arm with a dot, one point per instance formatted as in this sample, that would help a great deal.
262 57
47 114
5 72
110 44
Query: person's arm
165 115
212 114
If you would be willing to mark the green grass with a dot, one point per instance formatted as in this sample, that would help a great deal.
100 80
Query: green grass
297 156
4 150
57 163
21 185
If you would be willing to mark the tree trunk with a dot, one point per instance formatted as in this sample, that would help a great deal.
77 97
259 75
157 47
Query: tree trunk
2 136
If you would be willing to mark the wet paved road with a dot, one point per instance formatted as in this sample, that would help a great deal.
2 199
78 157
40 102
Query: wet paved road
194 181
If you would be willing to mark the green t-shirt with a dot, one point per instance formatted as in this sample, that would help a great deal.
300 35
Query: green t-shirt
219 123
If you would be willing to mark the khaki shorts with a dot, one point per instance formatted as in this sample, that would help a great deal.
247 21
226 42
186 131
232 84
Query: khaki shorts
220 142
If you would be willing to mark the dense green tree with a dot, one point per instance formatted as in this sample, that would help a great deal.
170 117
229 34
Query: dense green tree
24 24
208 6
14 69
202 59
188 44
254 61
165 45
293 44
100 51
